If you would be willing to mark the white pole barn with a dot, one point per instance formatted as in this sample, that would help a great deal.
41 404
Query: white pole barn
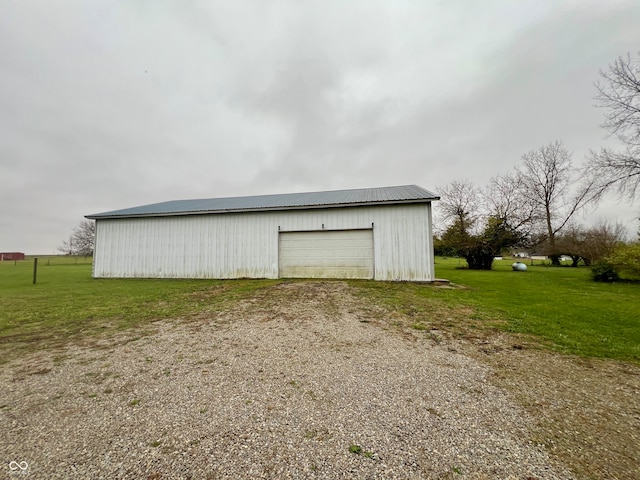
374 233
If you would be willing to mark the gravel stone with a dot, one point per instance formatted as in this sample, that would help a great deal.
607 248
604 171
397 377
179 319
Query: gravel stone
278 386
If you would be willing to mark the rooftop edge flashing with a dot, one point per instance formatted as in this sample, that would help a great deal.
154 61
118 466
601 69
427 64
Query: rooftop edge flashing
109 215
277 202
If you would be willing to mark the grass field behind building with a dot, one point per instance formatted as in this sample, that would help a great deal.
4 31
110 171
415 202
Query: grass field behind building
560 304
562 308
66 303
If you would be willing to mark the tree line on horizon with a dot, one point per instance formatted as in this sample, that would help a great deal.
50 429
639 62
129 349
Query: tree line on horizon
534 206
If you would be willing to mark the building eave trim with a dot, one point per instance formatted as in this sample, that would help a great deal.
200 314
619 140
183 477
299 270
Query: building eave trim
263 209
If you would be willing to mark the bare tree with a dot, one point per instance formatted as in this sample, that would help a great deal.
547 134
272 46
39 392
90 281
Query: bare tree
477 229
505 197
553 187
460 205
591 244
81 241
620 96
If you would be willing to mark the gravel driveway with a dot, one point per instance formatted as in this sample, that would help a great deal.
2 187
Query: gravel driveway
282 385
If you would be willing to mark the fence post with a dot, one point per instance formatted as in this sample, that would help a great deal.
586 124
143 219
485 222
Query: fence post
35 269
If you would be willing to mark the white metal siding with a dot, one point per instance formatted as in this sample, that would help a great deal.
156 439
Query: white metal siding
246 244
326 254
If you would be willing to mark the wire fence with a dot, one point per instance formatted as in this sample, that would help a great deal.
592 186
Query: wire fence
51 260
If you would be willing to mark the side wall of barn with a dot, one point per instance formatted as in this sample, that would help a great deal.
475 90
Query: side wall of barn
245 245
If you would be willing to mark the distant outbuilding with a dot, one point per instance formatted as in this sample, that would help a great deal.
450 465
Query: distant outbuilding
11 256
373 233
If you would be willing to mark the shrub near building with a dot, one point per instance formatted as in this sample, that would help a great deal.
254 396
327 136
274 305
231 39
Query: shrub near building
622 263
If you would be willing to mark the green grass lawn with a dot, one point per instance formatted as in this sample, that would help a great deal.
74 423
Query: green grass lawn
66 302
562 307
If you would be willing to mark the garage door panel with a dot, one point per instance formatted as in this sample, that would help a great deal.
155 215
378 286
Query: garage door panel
327 254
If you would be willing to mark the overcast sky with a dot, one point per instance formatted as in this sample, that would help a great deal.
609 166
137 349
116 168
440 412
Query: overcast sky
107 105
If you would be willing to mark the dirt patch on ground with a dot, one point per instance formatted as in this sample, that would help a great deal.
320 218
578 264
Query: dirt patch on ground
586 411
308 380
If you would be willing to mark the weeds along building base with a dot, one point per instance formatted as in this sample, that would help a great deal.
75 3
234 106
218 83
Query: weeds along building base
376 233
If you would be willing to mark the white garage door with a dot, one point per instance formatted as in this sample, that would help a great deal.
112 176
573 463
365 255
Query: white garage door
326 254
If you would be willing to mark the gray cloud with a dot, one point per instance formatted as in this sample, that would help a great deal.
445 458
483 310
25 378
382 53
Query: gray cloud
108 106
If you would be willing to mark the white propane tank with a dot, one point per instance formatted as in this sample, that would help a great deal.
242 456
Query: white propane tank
519 267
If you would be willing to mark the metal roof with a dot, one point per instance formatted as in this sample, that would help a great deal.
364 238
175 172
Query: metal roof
288 201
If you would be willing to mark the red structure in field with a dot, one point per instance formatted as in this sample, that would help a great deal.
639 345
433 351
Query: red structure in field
11 256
